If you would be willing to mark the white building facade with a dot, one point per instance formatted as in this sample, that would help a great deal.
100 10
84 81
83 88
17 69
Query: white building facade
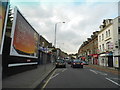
116 41
109 43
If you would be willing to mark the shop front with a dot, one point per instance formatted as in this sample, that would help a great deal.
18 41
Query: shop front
95 59
106 59
103 60
90 59
116 61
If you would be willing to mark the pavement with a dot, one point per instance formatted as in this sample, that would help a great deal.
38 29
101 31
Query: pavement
106 69
29 79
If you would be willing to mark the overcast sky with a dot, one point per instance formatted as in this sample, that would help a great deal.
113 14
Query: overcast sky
81 17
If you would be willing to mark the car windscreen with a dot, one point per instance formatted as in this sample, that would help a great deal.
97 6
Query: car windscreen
84 61
77 61
62 61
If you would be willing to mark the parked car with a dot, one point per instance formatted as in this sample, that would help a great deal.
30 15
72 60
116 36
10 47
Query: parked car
76 63
60 63
85 62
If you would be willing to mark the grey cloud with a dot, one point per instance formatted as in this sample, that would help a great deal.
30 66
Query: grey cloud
76 30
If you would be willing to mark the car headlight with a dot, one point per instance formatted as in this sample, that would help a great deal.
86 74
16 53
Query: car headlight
74 63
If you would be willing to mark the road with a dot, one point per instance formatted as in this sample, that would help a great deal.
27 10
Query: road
81 78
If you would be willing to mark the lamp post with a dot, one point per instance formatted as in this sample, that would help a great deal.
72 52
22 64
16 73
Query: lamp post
55 38
55 32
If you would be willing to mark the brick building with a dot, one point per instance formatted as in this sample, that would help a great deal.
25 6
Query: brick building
89 49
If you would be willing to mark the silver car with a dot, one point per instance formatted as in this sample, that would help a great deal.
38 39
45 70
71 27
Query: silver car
60 63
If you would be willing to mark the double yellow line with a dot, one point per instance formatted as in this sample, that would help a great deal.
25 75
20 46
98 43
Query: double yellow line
48 80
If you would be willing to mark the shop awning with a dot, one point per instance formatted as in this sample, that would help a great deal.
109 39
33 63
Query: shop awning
90 55
95 55
82 57
106 54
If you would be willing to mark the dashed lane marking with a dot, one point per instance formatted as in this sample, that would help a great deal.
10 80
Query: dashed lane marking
96 72
102 73
113 81
114 78
93 71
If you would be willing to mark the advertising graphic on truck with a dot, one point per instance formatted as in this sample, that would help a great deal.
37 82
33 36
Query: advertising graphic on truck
24 38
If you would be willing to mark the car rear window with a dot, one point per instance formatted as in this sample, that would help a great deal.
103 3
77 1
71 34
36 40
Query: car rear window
60 61
76 61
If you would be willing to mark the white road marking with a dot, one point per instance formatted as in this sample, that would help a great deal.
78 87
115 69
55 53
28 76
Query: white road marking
102 73
57 74
47 81
115 78
64 70
96 72
93 71
54 76
113 81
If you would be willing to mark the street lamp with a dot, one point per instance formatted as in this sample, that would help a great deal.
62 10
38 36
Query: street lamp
55 32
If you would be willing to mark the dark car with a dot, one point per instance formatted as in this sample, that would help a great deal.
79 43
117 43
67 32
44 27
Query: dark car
69 61
85 62
60 63
77 63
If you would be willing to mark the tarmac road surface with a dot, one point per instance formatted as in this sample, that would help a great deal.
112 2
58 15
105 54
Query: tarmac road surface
81 78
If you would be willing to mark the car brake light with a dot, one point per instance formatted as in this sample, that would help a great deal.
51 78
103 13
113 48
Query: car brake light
82 63
28 60
74 63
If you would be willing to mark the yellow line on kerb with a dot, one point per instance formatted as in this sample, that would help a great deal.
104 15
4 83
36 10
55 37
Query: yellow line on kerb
48 80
